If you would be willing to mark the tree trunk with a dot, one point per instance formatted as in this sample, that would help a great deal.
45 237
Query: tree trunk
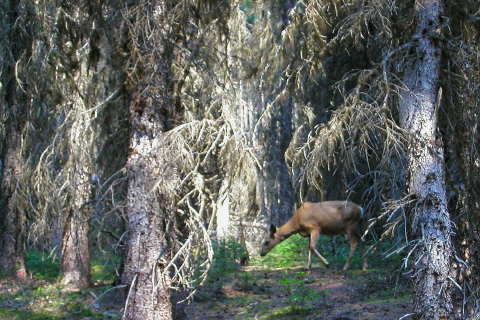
276 190
81 104
12 220
13 105
75 266
431 225
151 177
275 128
148 214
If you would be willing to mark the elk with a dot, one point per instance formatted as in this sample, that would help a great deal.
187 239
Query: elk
312 219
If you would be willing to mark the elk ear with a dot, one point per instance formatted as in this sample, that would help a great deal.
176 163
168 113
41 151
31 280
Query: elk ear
272 230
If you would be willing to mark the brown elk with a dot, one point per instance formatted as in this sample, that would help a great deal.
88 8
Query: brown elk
312 219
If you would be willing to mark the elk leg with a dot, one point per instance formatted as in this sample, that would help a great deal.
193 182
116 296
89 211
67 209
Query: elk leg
354 241
364 257
309 263
313 241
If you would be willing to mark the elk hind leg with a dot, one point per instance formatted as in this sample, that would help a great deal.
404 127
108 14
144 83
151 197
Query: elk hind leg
353 246
364 256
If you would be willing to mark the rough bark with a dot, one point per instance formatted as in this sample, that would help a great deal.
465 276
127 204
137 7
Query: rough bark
274 128
80 138
75 266
148 215
12 220
275 186
431 225
12 104
151 174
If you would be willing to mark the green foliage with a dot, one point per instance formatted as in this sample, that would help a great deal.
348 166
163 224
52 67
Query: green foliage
45 267
227 256
42 266
48 300
105 269
79 310
292 252
9 314
298 292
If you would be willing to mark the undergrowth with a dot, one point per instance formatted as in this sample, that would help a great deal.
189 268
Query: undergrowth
278 287
42 298
263 289
293 252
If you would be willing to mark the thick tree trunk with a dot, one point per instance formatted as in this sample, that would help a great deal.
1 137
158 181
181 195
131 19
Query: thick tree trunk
75 266
152 177
148 215
275 129
13 111
430 219
81 137
274 184
12 220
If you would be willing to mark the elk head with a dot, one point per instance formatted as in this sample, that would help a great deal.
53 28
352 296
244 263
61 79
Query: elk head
270 242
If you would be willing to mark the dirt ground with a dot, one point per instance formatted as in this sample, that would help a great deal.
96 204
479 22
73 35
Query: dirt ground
320 293
242 294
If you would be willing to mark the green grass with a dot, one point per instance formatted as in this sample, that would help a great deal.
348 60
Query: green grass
293 253
42 266
104 270
11 314
291 292
290 312
289 253
45 299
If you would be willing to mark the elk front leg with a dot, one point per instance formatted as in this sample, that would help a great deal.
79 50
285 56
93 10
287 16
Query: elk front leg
313 241
309 262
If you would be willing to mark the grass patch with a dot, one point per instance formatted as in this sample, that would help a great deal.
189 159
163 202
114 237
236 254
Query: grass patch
43 298
290 253
230 292
105 270
10 314
262 291
227 256
290 312
42 266
293 253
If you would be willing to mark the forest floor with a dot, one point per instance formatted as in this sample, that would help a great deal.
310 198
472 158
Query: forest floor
272 287
253 293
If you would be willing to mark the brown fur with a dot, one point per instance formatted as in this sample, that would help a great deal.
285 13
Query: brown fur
312 219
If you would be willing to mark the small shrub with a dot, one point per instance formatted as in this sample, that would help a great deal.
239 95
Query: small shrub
297 292
227 256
